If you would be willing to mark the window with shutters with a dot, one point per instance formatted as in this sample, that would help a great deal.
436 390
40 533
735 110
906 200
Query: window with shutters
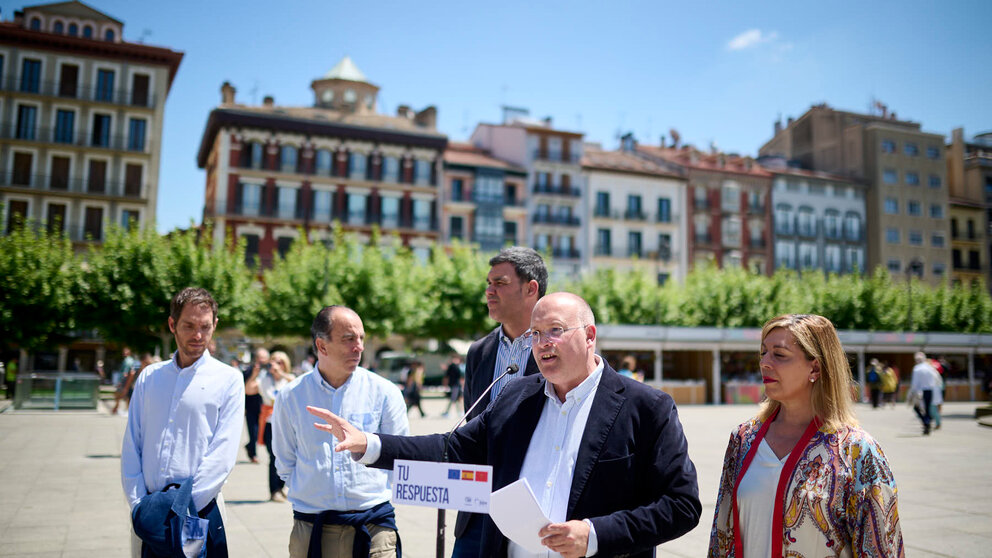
132 179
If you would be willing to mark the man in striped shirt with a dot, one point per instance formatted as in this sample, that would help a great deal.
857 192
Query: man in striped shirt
517 279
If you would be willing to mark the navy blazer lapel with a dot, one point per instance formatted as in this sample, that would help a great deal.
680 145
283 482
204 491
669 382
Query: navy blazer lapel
603 414
525 412
484 373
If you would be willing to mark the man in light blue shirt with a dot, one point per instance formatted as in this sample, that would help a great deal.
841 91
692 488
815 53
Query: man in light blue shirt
344 502
186 416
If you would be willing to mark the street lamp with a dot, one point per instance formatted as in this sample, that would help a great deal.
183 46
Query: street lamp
915 267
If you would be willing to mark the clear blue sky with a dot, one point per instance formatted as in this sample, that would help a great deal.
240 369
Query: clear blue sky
719 71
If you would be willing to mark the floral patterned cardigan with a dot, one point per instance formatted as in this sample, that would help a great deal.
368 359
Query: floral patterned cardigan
836 496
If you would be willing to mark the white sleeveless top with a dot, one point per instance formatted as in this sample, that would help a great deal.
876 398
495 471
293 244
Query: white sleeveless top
756 501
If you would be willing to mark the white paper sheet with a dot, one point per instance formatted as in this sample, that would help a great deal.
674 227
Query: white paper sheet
515 511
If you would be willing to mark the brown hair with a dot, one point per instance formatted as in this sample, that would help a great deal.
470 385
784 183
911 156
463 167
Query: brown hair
816 336
191 295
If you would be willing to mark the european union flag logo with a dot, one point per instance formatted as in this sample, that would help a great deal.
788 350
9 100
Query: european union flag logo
454 474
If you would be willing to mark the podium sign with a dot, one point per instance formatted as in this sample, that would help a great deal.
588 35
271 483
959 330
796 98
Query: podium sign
451 486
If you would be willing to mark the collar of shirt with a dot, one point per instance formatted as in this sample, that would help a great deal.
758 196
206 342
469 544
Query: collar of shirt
324 385
520 340
192 367
579 392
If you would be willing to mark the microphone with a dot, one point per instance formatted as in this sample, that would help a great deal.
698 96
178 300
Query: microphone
511 369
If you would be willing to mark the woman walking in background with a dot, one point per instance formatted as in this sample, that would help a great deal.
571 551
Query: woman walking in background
801 478
414 385
269 384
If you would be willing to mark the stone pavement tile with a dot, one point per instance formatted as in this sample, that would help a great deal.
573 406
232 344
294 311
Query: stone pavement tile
44 547
939 542
36 532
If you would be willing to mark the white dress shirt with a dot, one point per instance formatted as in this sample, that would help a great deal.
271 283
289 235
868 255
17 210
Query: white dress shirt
183 423
317 477
550 460
268 388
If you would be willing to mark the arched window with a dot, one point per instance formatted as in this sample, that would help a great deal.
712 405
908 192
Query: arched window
36 24
287 158
783 219
807 222
323 163
73 29
58 27
109 35
87 31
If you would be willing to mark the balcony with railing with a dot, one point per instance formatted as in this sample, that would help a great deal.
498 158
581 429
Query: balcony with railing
59 184
635 215
565 220
603 250
556 156
69 137
557 190
67 90
566 253
757 243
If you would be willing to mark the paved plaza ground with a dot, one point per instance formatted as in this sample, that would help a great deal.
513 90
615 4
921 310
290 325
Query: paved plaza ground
61 494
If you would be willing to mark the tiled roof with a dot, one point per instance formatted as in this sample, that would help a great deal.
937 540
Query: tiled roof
324 116
466 154
622 161
691 158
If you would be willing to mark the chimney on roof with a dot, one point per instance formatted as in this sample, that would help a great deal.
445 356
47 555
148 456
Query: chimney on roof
748 162
427 118
662 144
627 143
547 121
722 159
778 126
404 111
227 93
789 121
894 116
268 101
675 138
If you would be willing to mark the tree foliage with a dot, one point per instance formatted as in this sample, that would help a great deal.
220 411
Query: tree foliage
129 281
38 278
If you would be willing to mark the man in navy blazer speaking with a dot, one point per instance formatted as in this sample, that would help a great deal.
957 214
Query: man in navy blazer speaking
605 455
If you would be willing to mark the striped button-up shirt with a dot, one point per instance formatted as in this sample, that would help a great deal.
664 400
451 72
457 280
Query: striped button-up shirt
515 351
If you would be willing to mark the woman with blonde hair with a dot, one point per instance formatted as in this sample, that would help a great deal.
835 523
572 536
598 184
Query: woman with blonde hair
802 478
269 384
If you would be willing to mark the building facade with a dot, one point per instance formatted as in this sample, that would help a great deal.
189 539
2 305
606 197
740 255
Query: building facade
969 183
904 169
82 113
483 199
818 220
728 212
635 216
274 170
554 202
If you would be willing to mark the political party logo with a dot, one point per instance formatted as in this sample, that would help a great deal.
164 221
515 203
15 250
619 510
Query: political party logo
468 474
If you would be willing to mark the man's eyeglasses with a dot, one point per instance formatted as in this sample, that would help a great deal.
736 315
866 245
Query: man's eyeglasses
553 335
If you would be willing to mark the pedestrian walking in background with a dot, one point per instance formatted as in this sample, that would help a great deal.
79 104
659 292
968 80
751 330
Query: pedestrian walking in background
890 384
276 377
874 380
453 378
253 402
414 387
924 387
